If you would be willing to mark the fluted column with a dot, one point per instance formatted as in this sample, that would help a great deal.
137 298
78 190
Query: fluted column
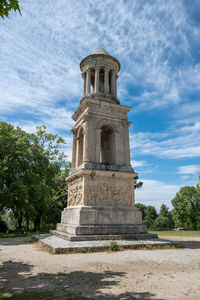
84 83
96 81
88 82
106 86
77 152
86 145
74 131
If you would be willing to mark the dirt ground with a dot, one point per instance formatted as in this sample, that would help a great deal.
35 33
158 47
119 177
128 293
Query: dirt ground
129 274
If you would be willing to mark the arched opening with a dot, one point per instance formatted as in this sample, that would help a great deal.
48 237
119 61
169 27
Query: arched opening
80 147
101 81
106 153
92 79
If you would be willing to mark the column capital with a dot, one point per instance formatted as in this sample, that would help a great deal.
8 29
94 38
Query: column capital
126 123
107 69
87 116
97 68
114 72
74 130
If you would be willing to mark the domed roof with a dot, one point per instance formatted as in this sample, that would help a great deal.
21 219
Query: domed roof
100 51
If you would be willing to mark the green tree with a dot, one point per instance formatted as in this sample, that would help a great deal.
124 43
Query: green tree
7 5
164 212
14 161
31 166
186 207
161 223
151 215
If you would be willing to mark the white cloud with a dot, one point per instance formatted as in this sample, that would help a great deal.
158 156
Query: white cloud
138 163
171 144
154 192
41 50
189 169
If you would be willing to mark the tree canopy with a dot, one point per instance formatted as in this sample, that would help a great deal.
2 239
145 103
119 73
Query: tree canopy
32 171
186 207
7 5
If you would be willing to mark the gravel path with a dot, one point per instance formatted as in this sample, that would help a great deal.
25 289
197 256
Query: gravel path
130 274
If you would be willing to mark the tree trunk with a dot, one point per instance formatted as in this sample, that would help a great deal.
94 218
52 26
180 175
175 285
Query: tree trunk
37 223
19 220
27 224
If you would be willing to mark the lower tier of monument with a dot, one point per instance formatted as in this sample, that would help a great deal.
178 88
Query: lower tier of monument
98 221
103 237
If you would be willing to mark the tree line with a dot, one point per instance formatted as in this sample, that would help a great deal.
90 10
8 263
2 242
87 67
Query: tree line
33 191
185 211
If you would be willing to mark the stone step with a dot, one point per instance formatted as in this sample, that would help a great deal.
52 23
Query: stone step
101 229
59 245
70 237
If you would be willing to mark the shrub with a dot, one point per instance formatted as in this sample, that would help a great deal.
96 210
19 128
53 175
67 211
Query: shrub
113 246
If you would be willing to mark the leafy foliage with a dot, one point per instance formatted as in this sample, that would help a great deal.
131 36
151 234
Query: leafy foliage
7 5
186 207
137 184
31 172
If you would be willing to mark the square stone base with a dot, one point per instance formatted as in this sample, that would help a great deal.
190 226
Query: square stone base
101 220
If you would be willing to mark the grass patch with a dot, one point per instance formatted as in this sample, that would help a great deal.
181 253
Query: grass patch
46 295
43 295
13 235
112 246
177 233
19 234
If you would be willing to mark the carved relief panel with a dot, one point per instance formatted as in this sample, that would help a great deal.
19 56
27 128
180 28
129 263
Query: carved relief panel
104 190
75 192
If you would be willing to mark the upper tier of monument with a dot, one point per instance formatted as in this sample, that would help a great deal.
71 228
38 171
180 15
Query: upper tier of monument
100 74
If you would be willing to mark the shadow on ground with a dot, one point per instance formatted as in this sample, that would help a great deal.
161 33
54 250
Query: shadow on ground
15 241
191 244
17 277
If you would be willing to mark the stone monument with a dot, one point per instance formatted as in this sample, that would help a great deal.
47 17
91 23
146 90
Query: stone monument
101 181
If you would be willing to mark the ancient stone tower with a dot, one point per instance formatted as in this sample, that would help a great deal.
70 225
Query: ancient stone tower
101 181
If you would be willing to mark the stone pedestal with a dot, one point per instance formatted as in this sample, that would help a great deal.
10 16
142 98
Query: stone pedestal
101 203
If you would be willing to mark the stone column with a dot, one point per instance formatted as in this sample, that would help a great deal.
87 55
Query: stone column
77 151
126 144
96 81
84 83
98 144
113 82
106 84
86 144
74 148
116 77
88 82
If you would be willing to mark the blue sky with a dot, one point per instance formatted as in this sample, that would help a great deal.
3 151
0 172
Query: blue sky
158 45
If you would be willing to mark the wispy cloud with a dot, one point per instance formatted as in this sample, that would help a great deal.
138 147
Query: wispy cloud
40 51
155 192
189 169
175 143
